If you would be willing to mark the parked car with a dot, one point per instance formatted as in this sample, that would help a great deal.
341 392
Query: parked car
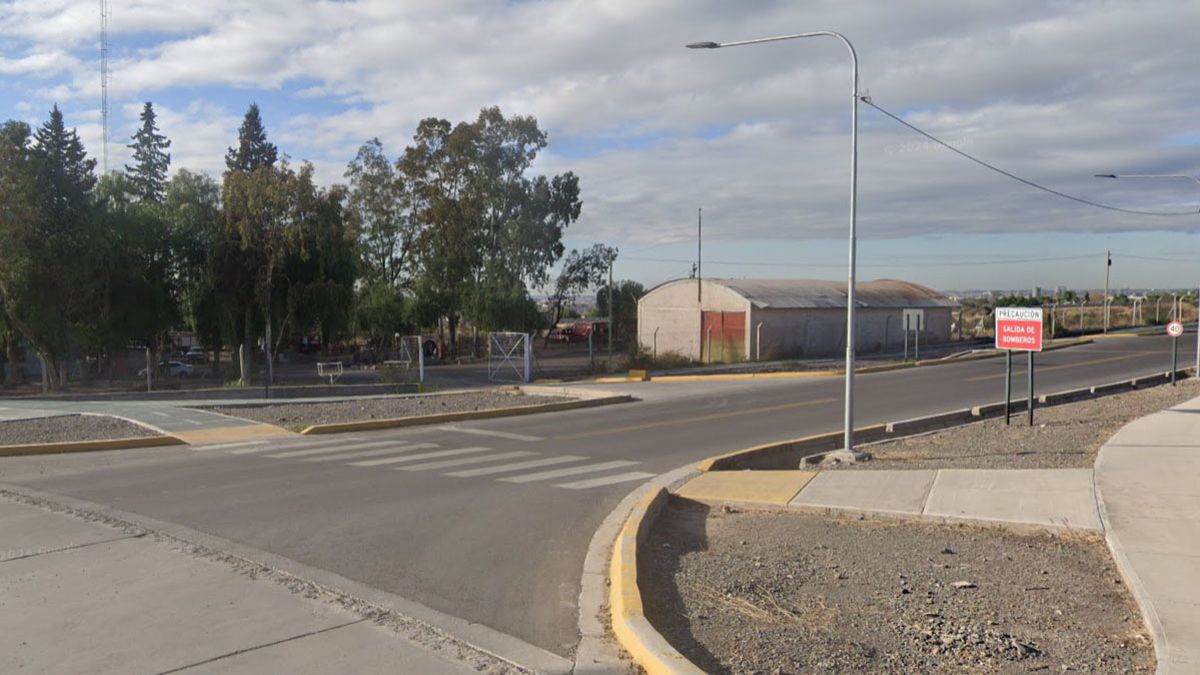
171 368
196 354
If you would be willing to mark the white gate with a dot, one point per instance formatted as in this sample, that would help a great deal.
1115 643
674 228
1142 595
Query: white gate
509 357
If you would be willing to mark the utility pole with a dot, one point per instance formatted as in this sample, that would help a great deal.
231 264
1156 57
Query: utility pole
1107 265
611 325
104 86
699 231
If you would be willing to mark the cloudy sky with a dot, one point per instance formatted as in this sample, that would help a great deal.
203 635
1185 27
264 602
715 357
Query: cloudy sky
757 136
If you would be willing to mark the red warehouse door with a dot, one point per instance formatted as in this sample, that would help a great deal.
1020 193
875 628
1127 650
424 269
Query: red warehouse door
725 334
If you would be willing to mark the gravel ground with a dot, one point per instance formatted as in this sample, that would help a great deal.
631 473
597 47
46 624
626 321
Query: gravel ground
65 428
299 415
767 592
1063 436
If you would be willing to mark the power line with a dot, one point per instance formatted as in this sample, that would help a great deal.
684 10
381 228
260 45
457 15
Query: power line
1026 181
961 263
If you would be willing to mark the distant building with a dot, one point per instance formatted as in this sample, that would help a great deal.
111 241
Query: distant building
745 319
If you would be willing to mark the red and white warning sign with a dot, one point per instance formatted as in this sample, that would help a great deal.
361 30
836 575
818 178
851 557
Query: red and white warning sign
1019 328
1174 329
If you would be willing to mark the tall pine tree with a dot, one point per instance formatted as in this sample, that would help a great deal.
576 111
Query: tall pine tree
151 159
253 150
65 176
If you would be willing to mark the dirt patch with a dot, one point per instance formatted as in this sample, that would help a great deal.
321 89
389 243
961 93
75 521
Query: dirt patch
300 415
68 428
770 592
1063 436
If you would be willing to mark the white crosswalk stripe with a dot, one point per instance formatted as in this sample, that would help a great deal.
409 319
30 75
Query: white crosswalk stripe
327 448
396 449
518 466
295 446
570 471
606 480
423 455
229 446
489 432
447 463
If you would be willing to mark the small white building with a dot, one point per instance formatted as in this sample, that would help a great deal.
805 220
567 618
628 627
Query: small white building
727 320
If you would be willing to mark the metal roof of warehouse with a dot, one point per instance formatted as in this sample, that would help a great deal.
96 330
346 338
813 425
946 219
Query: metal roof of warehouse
812 293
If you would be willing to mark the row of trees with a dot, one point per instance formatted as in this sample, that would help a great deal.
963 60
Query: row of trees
455 229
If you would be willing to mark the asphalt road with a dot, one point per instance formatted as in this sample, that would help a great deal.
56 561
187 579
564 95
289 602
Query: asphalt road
490 521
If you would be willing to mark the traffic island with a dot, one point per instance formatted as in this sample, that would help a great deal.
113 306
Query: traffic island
326 417
739 589
1023 500
76 433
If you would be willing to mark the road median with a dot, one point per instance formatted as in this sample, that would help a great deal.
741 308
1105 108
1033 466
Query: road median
580 398
88 446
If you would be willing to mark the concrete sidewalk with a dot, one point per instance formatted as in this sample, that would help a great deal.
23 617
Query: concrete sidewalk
81 597
1052 498
1148 484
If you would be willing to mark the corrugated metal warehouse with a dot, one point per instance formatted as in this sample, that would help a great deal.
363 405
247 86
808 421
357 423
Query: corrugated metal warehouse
766 319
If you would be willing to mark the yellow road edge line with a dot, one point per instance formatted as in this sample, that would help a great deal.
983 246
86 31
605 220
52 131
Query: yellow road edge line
1093 362
796 374
634 632
442 418
88 446
689 420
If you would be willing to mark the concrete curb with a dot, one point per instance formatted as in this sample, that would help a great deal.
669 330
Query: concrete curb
635 633
1162 648
795 453
591 401
88 446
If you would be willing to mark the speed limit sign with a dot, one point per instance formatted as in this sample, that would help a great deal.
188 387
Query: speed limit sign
1174 329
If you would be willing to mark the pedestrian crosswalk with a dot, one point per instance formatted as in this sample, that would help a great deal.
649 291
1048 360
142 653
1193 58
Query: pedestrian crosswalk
515 466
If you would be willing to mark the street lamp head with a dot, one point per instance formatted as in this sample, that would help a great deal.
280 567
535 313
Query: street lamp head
703 45
1106 175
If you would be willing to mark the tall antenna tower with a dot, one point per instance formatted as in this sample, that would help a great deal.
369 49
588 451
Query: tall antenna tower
104 85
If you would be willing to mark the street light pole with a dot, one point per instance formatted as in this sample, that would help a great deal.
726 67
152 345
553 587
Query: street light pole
847 454
1174 176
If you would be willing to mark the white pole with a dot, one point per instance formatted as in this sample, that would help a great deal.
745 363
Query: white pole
848 443
528 358
420 361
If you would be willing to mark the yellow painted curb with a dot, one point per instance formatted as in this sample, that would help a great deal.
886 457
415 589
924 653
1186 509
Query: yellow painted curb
233 433
648 648
442 418
88 446
757 487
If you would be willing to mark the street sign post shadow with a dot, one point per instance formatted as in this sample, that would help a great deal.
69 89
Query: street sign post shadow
1018 329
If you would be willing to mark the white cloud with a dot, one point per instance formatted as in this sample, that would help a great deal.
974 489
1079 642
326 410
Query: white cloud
759 134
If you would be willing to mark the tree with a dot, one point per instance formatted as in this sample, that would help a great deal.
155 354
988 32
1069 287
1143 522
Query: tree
483 220
380 313
270 209
253 150
46 237
18 213
202 256
151 159
252 153
580 271
379 206
625 297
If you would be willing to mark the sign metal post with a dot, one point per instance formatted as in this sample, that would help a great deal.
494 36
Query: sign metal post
1007 386
1018 329
1174 329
